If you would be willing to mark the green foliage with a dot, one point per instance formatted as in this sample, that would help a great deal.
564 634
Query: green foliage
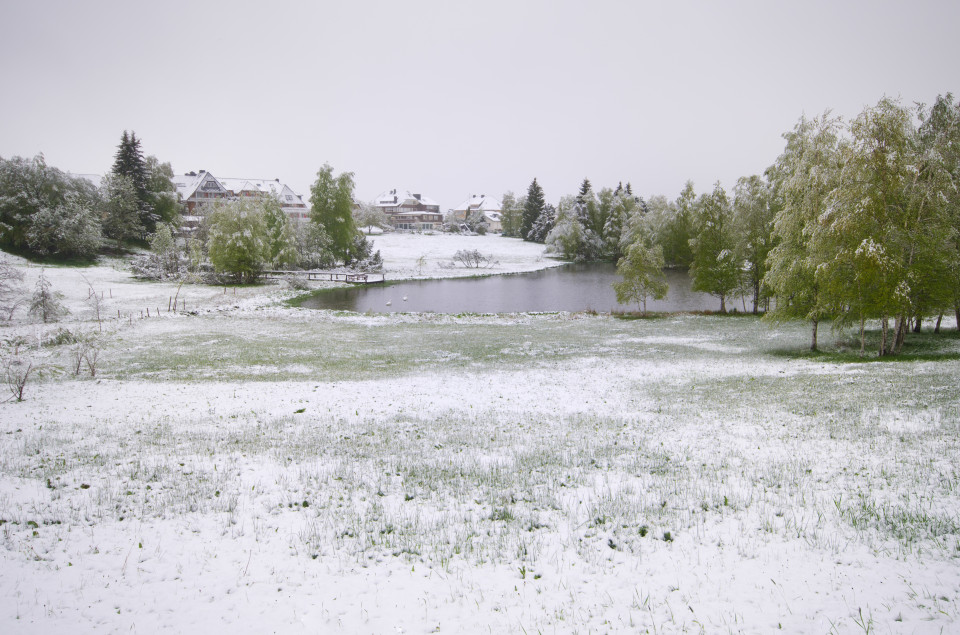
34 199
120 208
313 246
281 242
331 201
511 215
238 244
753 211
642 272
69 230
802 177
715 269
867 228
129 163
161 192
165 250
567 236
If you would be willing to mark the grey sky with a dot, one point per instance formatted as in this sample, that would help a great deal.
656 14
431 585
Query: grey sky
455 98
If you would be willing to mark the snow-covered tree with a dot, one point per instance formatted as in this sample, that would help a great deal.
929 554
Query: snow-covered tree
11 288
238 244
716 269
29 187
129 163
281 241
69 230
543 225
166 253
120 209
567 236
161 191
368 216
511 213
754 208
313 246
642 271
804 175
532 210
331 207
46 303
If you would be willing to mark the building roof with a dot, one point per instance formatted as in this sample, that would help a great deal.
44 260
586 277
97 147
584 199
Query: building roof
398 196
188 184
479 202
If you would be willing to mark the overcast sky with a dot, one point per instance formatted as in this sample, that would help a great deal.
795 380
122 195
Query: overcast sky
451 98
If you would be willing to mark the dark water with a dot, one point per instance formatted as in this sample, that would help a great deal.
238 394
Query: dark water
578 287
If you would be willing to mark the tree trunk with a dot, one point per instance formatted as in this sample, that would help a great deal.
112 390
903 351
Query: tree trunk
884 327
918 324
862 336
723 304
756 296
902 327
939 320
813 343
958 316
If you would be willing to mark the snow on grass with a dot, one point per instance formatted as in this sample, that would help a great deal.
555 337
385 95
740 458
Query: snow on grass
258 468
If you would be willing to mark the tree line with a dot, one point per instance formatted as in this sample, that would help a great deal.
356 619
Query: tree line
48 214
854 221
241 238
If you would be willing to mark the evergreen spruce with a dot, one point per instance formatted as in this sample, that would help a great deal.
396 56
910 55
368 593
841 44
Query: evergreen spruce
129 162
532 209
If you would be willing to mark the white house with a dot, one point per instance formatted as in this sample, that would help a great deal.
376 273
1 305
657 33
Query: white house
480 208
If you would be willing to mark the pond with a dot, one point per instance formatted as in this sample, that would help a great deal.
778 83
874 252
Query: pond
574 287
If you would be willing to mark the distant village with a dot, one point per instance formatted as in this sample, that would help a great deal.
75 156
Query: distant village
402 209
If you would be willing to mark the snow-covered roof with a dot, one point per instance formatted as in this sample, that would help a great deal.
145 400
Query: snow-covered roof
398 196
188 184
480 202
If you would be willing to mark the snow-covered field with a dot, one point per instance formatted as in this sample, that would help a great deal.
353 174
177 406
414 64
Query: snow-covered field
247 467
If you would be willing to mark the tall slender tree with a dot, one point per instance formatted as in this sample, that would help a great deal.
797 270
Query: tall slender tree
532 209
753 212
129 162
331 207
804 175
716 269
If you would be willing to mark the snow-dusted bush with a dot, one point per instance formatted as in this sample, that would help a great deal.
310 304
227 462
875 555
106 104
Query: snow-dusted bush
473 258
70 230
238 243
11 288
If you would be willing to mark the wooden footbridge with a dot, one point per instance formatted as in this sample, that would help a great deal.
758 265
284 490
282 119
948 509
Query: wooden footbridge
330 276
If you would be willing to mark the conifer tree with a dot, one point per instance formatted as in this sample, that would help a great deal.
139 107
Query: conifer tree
129 162
46 303
532 209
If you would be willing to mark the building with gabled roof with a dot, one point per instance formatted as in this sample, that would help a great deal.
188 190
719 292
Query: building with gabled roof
197 189
406 210
480 208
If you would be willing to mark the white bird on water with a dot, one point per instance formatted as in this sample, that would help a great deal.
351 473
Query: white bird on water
389 302
404 298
